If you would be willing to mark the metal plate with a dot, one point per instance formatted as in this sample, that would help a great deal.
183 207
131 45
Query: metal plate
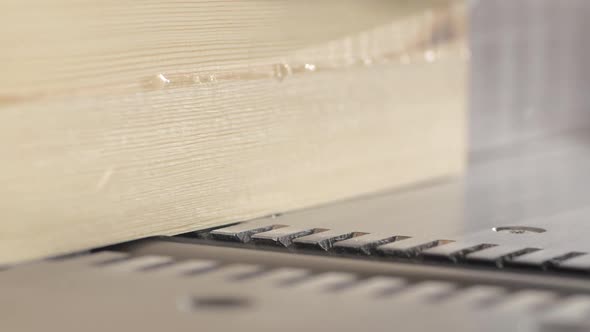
108 291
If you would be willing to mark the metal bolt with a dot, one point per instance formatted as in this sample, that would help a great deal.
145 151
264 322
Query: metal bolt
519 229
193 303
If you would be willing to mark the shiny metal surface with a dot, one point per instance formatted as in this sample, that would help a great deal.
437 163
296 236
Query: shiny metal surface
542 184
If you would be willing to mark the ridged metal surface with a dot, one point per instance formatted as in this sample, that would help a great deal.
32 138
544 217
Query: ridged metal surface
502 253
152 293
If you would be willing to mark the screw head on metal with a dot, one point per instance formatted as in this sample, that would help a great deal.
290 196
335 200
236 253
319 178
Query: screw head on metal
519 229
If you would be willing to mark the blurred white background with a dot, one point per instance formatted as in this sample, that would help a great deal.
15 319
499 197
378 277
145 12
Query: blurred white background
531 69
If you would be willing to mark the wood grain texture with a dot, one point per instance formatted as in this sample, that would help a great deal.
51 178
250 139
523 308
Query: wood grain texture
124 119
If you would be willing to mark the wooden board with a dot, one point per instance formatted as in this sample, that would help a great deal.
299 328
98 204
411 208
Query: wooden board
124 119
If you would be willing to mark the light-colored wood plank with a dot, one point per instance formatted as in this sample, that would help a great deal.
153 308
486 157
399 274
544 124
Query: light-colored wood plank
124 119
